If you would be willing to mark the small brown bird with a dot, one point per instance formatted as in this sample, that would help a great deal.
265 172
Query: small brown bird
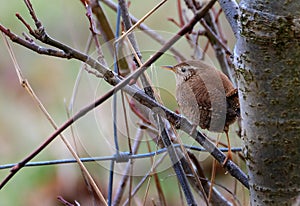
206 97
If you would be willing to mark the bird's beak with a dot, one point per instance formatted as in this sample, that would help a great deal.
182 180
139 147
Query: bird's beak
168 68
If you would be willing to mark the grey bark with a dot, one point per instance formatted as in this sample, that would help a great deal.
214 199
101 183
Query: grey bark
267 57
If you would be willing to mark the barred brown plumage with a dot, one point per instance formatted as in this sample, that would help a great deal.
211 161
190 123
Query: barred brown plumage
206 96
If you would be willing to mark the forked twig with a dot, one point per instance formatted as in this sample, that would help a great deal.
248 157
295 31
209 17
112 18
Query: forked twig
135 190
215 37
128 168
25 84
150 32
141 20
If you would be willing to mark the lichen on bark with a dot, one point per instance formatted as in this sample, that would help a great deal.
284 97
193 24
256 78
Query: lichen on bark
267 59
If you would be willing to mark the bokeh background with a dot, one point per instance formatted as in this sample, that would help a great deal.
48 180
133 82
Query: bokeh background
23 127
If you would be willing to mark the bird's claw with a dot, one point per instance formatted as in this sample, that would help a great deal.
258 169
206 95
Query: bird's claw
177 124
228 157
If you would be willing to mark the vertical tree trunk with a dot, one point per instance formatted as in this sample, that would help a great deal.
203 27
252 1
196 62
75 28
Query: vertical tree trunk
267 56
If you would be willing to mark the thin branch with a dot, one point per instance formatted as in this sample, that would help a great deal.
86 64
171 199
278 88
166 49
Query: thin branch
213 174
69 109
151 93
224 61
32 46
25 84
114 105
158 162
133 43
192 171
123 181
215 37
184 124
177 166
108 35
146 30
65 202
94 34
216 20
128 25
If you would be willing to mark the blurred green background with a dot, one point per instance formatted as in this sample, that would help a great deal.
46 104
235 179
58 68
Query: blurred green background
23 127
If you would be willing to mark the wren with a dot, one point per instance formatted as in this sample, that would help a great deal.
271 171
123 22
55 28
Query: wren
206 97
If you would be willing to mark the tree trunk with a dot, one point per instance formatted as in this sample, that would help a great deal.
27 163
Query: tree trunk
267 57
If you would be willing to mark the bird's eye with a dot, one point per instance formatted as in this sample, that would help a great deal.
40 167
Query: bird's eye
183 69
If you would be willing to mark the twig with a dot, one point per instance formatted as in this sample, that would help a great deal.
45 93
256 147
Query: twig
65 202
224 61
147 30
193 172
28 88
100 57
160 193
217 22
114 112
131 28
213 174
150 92
69 109
215 37
132 90
133 43
123 182
144 179
177 166
107 34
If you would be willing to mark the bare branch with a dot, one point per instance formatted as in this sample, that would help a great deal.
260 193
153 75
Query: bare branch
215 37
184 124
147 30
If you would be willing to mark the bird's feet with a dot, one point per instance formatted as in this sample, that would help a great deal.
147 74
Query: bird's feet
194 129
228 156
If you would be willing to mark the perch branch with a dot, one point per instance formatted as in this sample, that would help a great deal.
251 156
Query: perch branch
178 168
175 119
